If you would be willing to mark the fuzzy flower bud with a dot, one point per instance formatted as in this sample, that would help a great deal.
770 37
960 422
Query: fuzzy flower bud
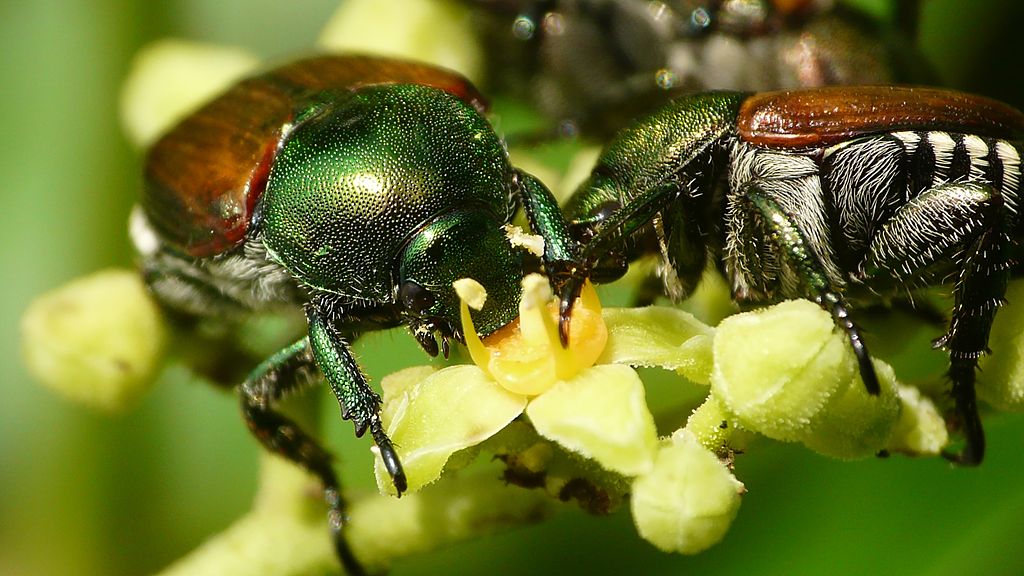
434 32
785 372
1001 378
921 429
687 501
171 78
98 340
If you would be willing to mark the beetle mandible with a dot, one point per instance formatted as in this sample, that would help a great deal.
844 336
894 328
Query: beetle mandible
357 188
840 195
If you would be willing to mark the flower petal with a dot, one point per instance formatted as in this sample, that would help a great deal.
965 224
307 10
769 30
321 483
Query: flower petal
450 410
659 336
600 413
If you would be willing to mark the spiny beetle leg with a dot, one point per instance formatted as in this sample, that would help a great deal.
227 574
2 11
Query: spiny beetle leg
834 304
387 453
282 373
962 373
792 245
954 217
357 400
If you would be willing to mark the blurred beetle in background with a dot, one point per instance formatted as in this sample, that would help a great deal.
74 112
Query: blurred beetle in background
592 65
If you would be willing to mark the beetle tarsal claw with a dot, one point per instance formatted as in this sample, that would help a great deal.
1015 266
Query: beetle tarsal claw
388 455
564 320
570 291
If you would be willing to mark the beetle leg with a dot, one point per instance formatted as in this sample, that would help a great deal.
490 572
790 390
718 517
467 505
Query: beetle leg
793 249
633 216
358 401
280 374
546 219
962 221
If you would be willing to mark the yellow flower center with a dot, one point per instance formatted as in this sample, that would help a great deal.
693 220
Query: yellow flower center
526 356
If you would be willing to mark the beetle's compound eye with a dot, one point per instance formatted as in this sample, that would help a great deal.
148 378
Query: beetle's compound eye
415 297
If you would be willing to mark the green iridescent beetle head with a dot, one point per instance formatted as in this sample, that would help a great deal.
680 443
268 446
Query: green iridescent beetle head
461 244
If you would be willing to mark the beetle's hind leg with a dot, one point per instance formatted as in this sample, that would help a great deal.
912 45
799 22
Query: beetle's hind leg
789 246
281 374
962 222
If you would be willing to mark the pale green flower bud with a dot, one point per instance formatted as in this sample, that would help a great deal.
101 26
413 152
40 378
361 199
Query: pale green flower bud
1001 378
776 369
171 78
98 340
687 501
921 429
788 374
438 32
855 424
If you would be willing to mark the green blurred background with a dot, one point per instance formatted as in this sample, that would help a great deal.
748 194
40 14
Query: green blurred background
82 493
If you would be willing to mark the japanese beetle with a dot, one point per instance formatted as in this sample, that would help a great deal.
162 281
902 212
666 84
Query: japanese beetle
841 195
593 65
356 188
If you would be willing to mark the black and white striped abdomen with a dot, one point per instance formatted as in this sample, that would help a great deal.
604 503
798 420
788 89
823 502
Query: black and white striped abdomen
865 181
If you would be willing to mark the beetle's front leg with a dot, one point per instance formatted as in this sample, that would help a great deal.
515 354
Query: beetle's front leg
958 218
794 250
358 401
545 217
630 218
280 374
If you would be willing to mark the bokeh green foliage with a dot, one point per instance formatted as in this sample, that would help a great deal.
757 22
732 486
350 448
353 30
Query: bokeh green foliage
84 493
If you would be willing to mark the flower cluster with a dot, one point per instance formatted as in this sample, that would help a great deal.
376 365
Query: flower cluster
572 424
782 372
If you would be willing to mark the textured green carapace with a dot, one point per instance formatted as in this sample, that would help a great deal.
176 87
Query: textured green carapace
394 182
672 136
